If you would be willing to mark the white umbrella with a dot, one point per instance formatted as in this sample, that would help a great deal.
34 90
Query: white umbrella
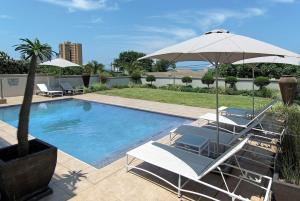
269 59
62 63
219 47
59 62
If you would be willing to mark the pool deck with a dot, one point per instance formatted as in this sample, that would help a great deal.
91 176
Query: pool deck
76 180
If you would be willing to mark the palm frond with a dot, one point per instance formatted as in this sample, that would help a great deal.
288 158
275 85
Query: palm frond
34 48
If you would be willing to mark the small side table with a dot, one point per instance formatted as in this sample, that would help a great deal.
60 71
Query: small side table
193 143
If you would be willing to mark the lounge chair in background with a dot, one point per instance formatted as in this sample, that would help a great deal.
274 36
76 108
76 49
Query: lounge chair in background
245 113
195 167
235 121
43 90
68 88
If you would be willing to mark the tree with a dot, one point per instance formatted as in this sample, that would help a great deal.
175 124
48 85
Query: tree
95 67
261 82
244 70
208 79
150 78
163 65
227 70
33 51
187 80
128 62
136 76
10 66
231 80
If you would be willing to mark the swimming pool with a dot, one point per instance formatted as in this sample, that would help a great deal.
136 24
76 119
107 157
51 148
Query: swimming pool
92 132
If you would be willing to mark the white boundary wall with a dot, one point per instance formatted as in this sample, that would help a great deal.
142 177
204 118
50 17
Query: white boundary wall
14 85
242 84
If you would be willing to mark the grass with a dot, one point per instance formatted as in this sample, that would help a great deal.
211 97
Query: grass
187 98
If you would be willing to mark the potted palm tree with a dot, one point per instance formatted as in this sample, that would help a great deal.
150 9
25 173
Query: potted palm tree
27 167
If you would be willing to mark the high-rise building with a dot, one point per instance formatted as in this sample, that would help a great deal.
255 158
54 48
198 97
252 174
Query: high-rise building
71 52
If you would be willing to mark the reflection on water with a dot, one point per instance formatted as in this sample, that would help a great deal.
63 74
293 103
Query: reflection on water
61 125
87 106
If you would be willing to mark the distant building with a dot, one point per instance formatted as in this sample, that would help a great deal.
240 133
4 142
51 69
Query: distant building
71 52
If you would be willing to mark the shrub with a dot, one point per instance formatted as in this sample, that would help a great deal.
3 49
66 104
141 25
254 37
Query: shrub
298 92
120 86
187 80
95 87
150 78
136 77
208 79
232 91
231 80
289 151
103 77
261 82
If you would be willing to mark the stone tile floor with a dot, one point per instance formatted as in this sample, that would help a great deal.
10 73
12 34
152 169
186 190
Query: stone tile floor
76 180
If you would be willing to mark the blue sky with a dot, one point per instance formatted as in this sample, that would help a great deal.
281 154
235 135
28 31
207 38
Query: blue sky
107 27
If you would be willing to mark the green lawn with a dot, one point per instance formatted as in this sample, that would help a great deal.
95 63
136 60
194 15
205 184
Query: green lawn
186 98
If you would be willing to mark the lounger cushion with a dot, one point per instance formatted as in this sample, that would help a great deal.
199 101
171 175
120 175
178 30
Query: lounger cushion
231 120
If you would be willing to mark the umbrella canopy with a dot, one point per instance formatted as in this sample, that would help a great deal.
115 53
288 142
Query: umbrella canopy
271 59
62 63
219 46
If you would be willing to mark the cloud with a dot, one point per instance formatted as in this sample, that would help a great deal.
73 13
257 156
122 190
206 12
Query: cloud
180 33
97 20
85 5
5 17
208 19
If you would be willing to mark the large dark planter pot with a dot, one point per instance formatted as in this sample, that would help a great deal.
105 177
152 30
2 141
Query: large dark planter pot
27 178
86 80
283 191
288 87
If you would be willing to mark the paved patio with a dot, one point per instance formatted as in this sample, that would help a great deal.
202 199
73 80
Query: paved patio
76 180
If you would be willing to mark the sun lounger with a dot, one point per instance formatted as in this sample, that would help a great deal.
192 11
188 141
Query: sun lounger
230 111
68 88
234 120
45 92
194 167
198 139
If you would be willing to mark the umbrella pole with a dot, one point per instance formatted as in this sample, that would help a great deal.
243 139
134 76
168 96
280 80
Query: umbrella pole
253 106
217 107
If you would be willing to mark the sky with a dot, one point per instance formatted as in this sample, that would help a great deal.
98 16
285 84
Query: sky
107 27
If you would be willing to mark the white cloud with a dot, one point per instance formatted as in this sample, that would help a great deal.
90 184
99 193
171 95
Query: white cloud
211 19
150 43
5 17
208 19
73 5
97 20
180 33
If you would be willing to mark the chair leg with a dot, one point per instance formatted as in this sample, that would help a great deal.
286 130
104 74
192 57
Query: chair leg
179 186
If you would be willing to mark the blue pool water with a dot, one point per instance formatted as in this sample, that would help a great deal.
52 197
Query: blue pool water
92 132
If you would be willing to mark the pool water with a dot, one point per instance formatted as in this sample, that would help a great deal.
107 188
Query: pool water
92 132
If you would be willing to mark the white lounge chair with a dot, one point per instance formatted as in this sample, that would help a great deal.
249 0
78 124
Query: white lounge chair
231 111
191 134
197 139
68 88
45 92
194 167
234 120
